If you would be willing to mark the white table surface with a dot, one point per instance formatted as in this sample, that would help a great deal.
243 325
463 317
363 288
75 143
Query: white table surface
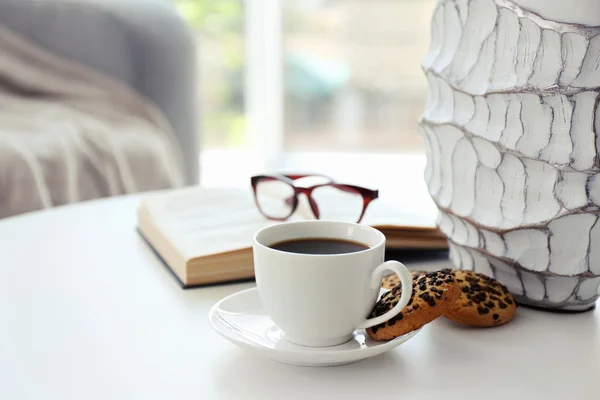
88 312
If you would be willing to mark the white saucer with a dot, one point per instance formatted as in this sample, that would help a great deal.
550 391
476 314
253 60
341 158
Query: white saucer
241 319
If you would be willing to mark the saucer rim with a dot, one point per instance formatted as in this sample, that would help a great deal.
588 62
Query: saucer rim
381 347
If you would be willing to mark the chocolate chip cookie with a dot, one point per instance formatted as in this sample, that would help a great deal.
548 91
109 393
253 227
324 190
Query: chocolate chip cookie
393 280
390 281
433 293
483 301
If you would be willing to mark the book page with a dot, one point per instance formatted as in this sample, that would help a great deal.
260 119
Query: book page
200 222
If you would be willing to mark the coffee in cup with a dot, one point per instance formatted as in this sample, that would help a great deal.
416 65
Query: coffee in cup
319 280
319 246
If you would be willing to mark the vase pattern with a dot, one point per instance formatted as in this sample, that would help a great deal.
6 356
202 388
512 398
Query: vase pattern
510 130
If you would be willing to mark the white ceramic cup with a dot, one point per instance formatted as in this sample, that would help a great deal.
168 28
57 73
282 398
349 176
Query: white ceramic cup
320 300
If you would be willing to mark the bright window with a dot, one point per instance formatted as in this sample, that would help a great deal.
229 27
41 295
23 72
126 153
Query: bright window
219 26
314 84
352 74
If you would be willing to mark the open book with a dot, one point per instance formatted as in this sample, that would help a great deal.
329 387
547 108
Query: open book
205 235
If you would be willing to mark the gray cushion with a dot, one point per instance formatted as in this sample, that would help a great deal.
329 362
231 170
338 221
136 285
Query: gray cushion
141 42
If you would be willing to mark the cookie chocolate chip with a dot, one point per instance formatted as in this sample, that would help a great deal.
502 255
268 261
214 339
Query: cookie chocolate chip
483 301
391 281
433 293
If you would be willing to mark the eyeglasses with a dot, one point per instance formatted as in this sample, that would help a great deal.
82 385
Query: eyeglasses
277 197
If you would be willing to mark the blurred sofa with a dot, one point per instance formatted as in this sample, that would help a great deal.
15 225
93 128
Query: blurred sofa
143 43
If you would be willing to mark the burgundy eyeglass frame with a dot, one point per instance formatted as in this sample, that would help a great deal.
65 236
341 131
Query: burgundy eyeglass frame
368 195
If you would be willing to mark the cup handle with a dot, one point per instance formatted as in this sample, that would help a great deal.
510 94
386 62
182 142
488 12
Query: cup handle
405 280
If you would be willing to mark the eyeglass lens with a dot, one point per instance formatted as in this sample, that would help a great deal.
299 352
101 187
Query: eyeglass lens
275 198
338 204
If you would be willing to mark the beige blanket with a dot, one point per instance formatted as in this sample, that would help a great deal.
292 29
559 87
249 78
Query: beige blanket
68 133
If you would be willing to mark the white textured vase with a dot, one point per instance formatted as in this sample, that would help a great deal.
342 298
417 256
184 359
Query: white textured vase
510 128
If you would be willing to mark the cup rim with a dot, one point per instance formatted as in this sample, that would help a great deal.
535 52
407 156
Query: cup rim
381 240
